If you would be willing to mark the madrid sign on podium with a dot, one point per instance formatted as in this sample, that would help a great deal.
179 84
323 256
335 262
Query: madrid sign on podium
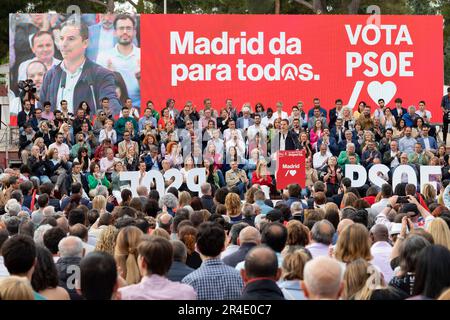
291 168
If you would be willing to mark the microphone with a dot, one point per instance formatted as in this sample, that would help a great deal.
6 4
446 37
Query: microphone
63 80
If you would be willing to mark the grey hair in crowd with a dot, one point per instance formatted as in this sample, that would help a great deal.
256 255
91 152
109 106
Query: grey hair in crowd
247 210
322 232
102 191
13 207
48 211
39 234
70 246
296 206
168 200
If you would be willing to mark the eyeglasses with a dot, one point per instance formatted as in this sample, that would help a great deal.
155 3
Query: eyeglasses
125 29
102 114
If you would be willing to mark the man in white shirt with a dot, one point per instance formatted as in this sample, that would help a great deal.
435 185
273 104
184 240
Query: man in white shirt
423 113
255 128
107 163
125 56
63 149
268 119
43 48
228 133
386 193
381 250
379 112
320 159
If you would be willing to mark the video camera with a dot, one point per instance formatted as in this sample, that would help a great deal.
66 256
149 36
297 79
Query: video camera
27 85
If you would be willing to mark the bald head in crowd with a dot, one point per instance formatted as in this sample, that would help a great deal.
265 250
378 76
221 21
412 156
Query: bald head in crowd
379 232
261 262
249 235
165 222
323 279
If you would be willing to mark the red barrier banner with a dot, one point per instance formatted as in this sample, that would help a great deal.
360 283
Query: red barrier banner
291 58
290 168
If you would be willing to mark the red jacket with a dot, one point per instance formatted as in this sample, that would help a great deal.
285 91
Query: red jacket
267 181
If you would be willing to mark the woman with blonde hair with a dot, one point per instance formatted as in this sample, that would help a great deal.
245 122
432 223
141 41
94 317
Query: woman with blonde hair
65 130
250 195
292 273
233 205
99 203
107 240
108 132
429 193
15 288
42 147
261 175
440 231
184 199
362 280
353 243
125 253
348 200
188 235
347 119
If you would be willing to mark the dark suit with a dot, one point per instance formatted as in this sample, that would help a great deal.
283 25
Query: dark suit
233 259
332 145
178 270
95 82
334 132
207 202
394 112
68 183
291 141
322 111
22 118
333 117
149 162
264 289
387 158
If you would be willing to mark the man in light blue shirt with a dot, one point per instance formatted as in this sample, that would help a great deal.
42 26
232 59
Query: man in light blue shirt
406 144
125 57
147 118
